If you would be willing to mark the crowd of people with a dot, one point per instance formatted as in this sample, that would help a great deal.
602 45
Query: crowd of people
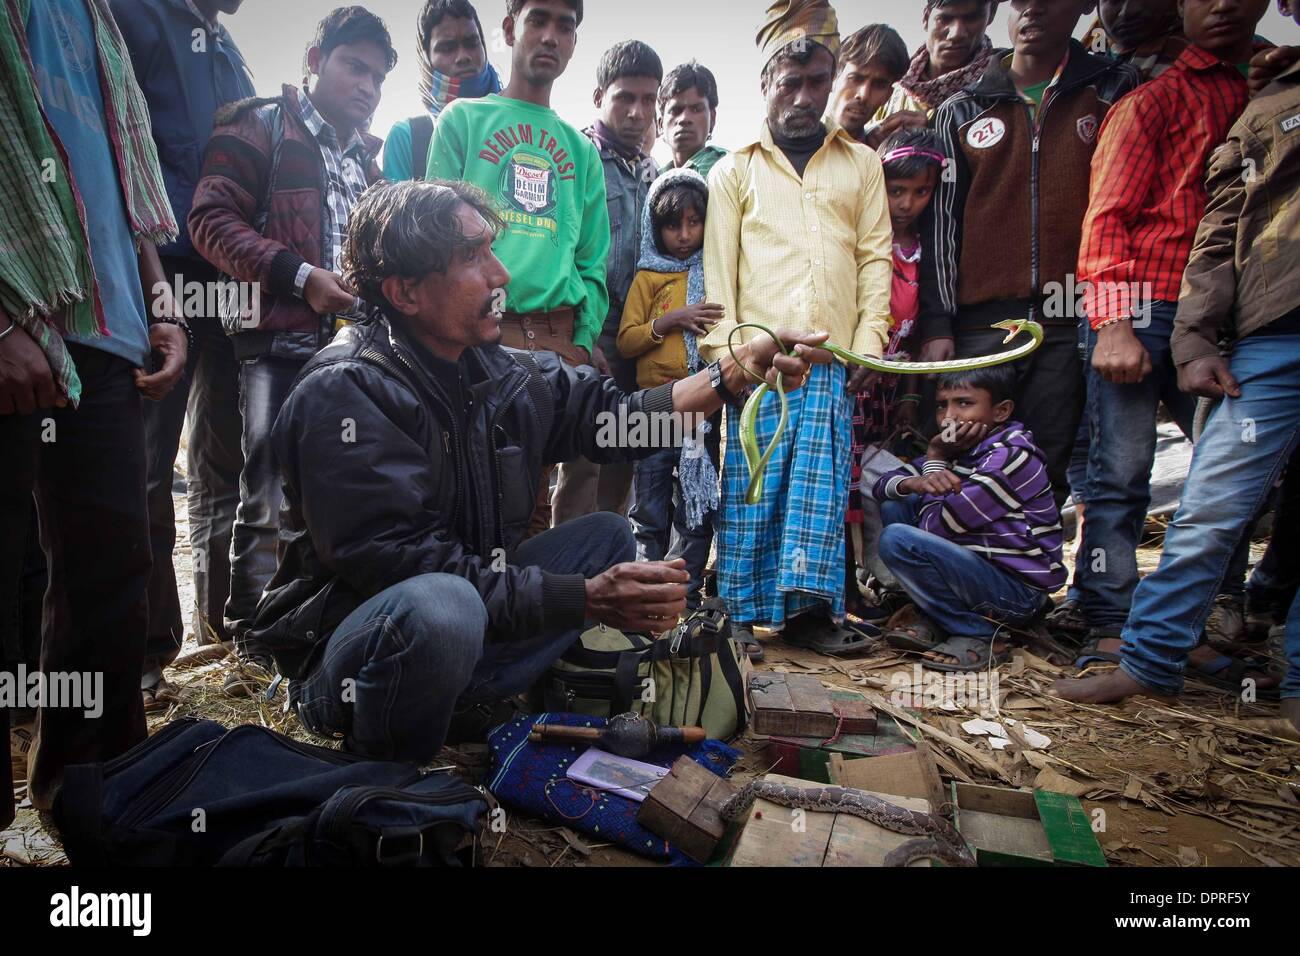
404 494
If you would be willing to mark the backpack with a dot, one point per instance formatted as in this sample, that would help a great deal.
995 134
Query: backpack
421 139
692 676
197 794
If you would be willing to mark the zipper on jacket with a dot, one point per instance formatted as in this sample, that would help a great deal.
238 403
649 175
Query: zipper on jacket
374 355
496 460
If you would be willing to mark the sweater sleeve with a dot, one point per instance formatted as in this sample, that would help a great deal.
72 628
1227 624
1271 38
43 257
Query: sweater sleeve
941 228
1002 481
634 334
592 253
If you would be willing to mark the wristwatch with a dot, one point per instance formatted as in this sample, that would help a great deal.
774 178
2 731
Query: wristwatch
720 385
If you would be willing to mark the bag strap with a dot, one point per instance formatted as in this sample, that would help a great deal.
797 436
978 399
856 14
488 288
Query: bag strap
421 138
625 681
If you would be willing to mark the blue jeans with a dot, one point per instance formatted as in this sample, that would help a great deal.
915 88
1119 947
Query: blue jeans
961 592
264 384
1246 444
658 515
398 667
1121 453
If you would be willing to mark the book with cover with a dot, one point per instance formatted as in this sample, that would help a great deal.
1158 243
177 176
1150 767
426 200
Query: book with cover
613 774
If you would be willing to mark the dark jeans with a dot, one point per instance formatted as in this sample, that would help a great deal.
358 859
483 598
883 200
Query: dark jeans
401 664
1121 453
1049 392
964 594
209 391
658 513
87 469
263 386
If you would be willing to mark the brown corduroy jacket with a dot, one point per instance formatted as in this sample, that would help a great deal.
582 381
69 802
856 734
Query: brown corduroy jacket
1244 272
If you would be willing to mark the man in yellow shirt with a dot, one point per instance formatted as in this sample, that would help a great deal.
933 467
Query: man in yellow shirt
797 234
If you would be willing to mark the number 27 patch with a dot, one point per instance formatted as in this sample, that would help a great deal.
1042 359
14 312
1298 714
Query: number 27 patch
987 132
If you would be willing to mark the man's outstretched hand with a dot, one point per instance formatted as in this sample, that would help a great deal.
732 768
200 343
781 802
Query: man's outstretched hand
642 596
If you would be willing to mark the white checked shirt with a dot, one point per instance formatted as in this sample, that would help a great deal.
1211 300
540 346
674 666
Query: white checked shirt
345 181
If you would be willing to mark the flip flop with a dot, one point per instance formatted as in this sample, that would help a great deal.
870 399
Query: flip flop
834 640
748 643
908 630
961 648
1228 673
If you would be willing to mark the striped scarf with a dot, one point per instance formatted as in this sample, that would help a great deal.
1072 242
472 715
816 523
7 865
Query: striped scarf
47 282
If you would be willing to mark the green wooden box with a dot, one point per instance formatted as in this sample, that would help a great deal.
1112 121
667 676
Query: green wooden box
1025 828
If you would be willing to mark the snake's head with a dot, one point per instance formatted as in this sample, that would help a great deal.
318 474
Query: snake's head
1014 327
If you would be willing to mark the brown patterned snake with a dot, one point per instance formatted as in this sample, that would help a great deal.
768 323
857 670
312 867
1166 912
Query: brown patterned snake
941 842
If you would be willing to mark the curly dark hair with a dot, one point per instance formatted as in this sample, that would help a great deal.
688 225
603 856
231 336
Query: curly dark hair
344 25
408 229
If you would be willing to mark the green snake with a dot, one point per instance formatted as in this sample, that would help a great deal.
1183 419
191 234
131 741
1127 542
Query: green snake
757 463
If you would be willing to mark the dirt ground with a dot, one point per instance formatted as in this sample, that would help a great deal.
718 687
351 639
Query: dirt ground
1207 782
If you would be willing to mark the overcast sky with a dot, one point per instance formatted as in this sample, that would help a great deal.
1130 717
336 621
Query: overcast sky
273 35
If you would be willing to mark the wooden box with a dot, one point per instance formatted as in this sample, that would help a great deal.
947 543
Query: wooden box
774 836
907 774
683 809
797 705
810 758
1025 828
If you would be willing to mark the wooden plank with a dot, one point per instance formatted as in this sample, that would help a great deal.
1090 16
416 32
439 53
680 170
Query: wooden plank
770 837
858 842
908 775
1069 830
999 835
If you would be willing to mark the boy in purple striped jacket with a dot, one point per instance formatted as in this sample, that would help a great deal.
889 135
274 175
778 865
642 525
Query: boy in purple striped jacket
974 537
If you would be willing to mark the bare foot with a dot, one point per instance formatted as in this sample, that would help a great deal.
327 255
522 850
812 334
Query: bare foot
1201 659
1109 688
1291 711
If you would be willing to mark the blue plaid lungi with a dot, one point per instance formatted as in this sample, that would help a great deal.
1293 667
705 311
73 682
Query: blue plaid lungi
786 553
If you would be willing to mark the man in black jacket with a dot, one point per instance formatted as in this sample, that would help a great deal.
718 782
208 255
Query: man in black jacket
411 450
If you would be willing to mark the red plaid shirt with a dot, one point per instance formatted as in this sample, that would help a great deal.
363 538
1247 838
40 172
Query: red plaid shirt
1148 183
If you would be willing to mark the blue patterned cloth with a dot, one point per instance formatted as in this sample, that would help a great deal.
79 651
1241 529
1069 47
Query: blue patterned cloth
531 778
786 553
